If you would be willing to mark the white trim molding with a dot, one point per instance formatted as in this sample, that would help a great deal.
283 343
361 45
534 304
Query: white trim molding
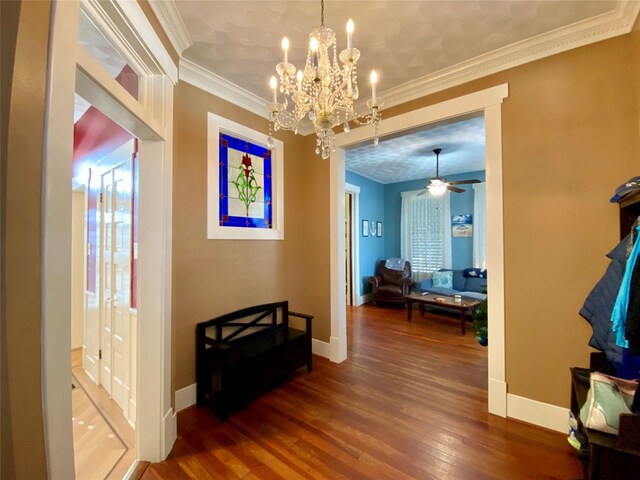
618 21
366 298
185 397
129 30
56 242
320 348
169 432
167 14
356 281
202 78
538 413
488 101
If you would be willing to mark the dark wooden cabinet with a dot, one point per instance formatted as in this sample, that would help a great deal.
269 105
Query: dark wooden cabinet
608 457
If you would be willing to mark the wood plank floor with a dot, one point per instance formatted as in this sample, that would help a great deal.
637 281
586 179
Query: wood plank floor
410 402
103 441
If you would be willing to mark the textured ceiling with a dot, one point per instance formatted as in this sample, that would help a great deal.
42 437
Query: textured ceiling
403 40
410 157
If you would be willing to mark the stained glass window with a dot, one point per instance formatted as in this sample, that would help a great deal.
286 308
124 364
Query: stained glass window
245 184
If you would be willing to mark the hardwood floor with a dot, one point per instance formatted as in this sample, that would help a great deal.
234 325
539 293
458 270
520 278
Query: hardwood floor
410 402
103 441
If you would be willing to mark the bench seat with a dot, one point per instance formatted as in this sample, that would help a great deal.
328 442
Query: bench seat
241 354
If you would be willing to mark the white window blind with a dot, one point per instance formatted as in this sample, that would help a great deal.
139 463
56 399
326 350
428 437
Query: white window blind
426 232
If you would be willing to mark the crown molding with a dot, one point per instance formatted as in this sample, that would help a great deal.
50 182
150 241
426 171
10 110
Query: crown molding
208 81
171 22
616 22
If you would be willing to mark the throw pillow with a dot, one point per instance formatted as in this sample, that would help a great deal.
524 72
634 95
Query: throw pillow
443 279
475 272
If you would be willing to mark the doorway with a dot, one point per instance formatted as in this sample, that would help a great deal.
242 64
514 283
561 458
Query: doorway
489 102
103 366
126 26
348 247
352 245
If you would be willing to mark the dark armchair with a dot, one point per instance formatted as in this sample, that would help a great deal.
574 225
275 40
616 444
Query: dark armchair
389 285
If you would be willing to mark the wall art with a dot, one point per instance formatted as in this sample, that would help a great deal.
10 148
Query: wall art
462 225
245 183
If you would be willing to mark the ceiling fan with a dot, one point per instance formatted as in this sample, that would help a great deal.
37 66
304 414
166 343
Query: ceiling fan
437 185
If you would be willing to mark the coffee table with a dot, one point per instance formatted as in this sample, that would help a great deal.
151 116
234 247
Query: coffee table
463 306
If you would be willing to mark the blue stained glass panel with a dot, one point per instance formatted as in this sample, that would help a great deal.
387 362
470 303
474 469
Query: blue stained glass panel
243 165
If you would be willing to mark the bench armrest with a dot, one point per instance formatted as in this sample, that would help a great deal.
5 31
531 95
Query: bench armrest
308 319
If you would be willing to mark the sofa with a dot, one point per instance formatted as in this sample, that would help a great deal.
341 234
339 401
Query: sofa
390 285
470 282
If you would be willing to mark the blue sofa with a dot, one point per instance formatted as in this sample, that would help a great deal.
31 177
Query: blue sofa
468 283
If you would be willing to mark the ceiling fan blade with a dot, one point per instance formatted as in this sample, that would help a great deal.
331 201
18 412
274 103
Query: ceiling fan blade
422 192
455 189
464 182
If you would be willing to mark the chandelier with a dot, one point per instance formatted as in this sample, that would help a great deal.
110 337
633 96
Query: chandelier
324 91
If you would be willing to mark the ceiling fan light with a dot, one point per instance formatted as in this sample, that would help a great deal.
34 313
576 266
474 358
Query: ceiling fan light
437 190
437 187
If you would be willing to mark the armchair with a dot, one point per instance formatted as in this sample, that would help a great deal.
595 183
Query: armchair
389 285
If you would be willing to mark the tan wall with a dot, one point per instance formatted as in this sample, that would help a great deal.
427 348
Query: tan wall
213 277
570 136
635 42
23 453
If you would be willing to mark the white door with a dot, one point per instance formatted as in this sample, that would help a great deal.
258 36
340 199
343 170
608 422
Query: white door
91 346
116 268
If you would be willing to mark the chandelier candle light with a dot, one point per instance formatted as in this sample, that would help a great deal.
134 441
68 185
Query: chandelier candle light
324 90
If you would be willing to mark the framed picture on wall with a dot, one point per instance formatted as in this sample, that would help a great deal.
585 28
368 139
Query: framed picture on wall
365 228
462 225
379 229
245 198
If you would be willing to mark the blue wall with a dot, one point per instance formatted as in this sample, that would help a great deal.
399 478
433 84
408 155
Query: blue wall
372 249
461 203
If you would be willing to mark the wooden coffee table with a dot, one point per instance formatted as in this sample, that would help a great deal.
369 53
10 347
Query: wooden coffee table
465 305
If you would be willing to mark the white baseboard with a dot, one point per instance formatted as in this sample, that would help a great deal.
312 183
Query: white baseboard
497 390
538 413
169 432
338 350
185 397
318 347
366 298
132 469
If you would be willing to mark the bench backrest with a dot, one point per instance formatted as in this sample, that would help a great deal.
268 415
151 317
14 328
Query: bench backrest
248 321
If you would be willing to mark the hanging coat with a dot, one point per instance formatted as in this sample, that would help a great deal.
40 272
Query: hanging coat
599 304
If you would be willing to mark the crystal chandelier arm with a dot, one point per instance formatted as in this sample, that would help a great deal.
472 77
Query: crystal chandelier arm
325 89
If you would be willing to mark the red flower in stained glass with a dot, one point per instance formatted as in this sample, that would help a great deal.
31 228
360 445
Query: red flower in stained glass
246 163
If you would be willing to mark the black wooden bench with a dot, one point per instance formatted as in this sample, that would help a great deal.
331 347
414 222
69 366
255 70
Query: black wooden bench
240 354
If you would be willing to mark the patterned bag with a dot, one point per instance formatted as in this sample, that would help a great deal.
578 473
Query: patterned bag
608 397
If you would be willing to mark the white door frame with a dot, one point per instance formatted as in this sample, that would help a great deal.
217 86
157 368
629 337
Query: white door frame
489 102
126 26
354 190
